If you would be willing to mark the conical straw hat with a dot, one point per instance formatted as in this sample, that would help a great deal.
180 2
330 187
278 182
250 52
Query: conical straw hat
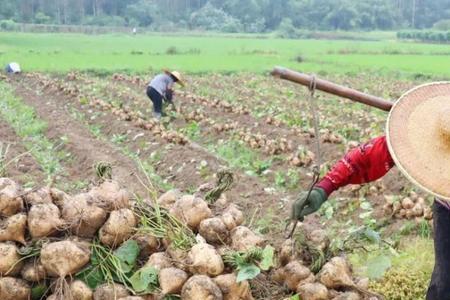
418 136
177 75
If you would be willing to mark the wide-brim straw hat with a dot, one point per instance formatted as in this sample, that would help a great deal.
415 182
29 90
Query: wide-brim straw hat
177 75
418 136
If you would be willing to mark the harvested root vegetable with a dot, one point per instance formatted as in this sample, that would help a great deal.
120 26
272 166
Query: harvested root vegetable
41 196
80 291
148 244
58 196
233 290
82 216
407 203
10 260
232 217
118 228
13 228
336 274
348 296
243 239
204 259
319 239
10 202
44 220
214 231
201 287
171 280
159 261
191 210
14 289
110 292
131 298
313 291
110 196
33 271
64 258
168 199
417 210
294 273
287 252
179 257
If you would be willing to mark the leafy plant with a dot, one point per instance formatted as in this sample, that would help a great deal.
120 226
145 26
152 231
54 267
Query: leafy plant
249 264
145 280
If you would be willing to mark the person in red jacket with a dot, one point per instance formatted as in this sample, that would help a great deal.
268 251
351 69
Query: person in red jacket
419 129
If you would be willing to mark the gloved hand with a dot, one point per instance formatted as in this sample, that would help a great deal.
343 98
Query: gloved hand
303 207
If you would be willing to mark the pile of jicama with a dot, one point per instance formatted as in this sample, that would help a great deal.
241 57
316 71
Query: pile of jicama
105 244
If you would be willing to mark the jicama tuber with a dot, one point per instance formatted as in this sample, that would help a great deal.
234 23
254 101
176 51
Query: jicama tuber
10 202
110 196
171 280
243 239
233 290
118 228
214 231
110 291
10 260
313 291
80 291
14 289
159 261
348 296
191 210
64 258
200 287
82 216
44 220
294 273
168 199
13 228
41 196
232 217
148 244
203 259
33 271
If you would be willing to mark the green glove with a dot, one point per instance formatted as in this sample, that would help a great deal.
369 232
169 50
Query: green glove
303 207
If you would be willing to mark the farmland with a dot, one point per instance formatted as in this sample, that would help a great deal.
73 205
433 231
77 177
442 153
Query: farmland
82 102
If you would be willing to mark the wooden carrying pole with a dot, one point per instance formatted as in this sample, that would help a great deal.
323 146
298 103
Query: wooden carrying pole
332 88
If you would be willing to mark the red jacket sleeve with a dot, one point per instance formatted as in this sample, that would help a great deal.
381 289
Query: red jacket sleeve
363 164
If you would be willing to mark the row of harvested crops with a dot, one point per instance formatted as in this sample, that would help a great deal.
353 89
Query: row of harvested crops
105 244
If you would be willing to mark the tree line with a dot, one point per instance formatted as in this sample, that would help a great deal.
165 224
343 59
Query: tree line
232 15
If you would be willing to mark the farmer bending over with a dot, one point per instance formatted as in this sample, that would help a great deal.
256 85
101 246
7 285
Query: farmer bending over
418 142
161 87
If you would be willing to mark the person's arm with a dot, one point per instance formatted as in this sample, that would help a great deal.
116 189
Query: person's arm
363 164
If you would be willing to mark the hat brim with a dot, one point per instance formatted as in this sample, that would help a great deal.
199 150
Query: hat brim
180 80
415 140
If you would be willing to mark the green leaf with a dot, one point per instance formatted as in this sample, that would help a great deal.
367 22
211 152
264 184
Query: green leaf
145 280
295 297
372 235
127 254
38 291
267 258
247 272
377 266
91 276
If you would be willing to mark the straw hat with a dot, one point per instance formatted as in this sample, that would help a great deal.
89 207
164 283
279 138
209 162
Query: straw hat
177 75
418 136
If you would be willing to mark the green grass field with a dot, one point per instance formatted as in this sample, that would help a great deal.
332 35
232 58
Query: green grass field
196 54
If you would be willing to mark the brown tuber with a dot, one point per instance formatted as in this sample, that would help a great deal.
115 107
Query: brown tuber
171 280
233 290
80 291
10 260
312 291
14 289
110 291
191 210
214 231
204 259
118 228
243 239
13 228
33 271
159 261
294 273
10 202
44 220
110 196
168 199
64 258
336 274
201 287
